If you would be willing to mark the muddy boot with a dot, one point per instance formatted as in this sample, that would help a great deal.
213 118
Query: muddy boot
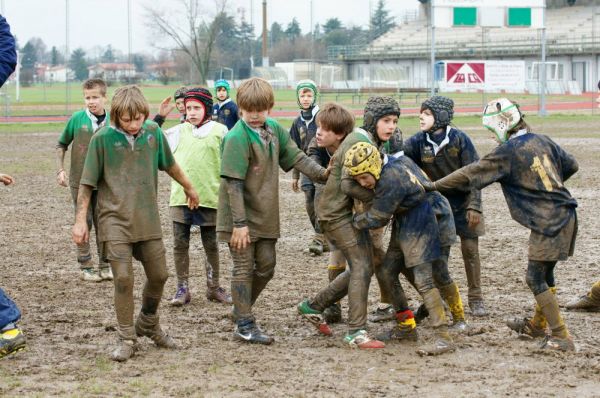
477 308
12 340
451 296
405 329
315 317
333 313
219 295
361 339
421 313
248 332
560 339
148 325
590 302
125 349
525 328
316 246
383 313
326 247
437 317
182 295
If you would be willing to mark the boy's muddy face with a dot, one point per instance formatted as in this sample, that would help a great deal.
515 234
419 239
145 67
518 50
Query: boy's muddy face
327 138
94 100
366 180
180 105
386 126
221 94
254 119
426 120
131 125
306 98
195 112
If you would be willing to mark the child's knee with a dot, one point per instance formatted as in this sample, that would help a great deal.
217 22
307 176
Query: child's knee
123 279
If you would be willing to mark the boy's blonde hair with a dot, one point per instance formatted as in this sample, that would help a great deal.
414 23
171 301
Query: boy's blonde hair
90 84
255 95
128 100
336 118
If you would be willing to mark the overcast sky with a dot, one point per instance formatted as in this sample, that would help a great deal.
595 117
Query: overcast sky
103 22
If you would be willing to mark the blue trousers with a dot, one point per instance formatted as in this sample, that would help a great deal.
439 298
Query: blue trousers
8 310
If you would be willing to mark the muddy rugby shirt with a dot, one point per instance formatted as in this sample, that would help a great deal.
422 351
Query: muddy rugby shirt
531 169
246 156
334 207
124 169
79 130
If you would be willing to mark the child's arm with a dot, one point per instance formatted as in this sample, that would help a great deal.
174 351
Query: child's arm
569 165
355 190
469 155
295 173
491 168
163 111
64 141
311 169
61 175
80 231
386 199
176 173
240 236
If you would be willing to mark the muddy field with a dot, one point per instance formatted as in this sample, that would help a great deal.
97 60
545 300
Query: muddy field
70 325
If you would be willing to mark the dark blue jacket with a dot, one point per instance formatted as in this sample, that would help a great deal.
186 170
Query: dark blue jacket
457 153
8 52
226 114
532 169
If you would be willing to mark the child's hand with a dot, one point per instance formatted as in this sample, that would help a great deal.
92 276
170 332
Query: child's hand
295 186
428 186
473 218
6 179
165 107
193 200
80 233
61 178
240 238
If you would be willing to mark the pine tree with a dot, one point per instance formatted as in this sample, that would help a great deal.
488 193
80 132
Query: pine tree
381 21
78 64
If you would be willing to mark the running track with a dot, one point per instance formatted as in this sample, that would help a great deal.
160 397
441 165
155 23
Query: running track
552 107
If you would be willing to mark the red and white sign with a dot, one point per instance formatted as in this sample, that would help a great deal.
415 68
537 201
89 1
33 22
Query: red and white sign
465 73
490 76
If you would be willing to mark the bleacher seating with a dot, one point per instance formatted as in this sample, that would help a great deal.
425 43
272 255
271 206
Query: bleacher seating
564 26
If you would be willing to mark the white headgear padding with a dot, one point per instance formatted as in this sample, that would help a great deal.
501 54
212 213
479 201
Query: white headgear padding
500 116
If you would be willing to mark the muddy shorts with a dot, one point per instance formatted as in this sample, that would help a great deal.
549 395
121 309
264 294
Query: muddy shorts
144 251
445 219
554 248
202 216
416 234
462 226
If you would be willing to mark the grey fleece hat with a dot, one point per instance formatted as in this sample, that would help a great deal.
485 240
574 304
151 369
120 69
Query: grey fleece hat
376 108
442 109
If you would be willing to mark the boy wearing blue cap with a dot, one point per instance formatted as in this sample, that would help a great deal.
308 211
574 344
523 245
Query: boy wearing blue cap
225 111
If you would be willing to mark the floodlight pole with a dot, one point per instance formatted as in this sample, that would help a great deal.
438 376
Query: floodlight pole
312 43
68 91
432 27
543 111
265 56
129 33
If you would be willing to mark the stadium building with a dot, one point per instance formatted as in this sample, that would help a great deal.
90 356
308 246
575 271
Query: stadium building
507 38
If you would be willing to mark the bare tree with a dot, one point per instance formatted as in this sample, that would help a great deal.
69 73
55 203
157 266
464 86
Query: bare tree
195 37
